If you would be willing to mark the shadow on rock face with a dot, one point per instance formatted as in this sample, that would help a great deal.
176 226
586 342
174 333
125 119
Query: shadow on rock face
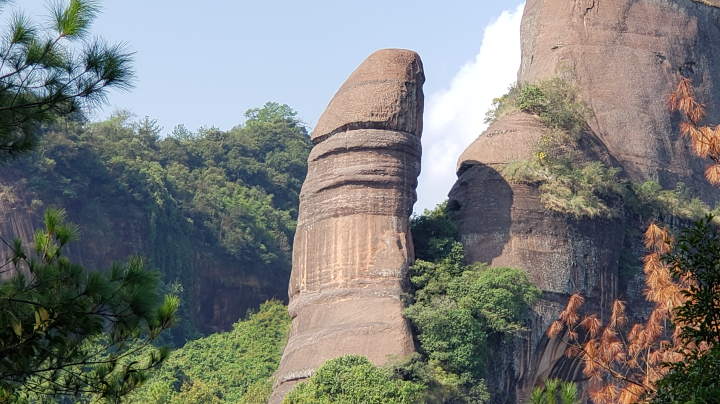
481 188
508 225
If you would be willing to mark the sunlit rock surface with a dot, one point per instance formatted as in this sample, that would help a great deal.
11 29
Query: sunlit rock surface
625 56
353 248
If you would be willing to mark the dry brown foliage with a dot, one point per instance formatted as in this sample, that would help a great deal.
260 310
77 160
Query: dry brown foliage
705 139
623 365
624 362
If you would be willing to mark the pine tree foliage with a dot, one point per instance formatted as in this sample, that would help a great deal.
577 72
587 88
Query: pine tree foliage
623 362
54 70
555 391
68 331
695 377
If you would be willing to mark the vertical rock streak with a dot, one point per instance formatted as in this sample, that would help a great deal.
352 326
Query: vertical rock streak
352 248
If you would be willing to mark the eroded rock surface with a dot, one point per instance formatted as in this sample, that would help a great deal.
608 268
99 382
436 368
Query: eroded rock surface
382 93
625 56
352 248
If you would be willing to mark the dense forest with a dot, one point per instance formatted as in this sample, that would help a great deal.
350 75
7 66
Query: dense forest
189 201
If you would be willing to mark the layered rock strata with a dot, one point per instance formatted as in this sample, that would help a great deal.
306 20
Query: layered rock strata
353 248
625 56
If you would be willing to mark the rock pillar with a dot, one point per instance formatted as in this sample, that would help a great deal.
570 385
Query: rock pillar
352 248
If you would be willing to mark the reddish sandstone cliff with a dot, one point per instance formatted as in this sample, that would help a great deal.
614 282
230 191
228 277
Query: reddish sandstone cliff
352 248
625 57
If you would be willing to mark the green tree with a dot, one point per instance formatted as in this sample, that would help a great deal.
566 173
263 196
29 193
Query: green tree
67 331
457 308
555 392
55 70
455 311
433 233
695 257
197 392
354 379
234 366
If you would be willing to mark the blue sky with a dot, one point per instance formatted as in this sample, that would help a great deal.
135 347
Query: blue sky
205 63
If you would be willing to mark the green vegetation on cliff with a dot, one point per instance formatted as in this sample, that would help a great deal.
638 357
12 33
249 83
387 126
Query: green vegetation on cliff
182 199
229 367
434 233
458 308
568 181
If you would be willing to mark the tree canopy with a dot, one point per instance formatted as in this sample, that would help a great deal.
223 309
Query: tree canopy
232 367
191 197
354 379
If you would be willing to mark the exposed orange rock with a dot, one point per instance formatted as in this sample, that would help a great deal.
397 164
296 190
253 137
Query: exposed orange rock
352 248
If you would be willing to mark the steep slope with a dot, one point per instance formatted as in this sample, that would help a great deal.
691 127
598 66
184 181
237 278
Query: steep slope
625 57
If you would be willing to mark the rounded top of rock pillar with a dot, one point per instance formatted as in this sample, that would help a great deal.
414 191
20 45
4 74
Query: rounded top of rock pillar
384 92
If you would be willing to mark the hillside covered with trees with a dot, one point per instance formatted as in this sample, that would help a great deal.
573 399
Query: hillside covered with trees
214 211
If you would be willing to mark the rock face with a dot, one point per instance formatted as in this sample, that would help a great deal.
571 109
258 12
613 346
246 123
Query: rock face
221 287
628 55
625 56
352 248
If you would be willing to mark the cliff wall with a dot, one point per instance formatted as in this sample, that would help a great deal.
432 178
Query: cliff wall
222 288
625 56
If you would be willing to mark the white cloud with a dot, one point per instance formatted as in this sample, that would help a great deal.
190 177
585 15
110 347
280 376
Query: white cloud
454 117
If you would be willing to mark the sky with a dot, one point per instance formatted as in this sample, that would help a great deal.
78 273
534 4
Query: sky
206 63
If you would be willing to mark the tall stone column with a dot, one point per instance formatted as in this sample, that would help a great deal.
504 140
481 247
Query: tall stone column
353 247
